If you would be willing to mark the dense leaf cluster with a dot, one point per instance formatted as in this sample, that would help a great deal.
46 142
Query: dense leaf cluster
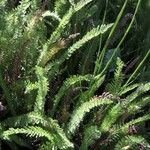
64 84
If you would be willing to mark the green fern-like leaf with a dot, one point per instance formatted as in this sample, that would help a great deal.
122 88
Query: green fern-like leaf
111 117
35 131
51 14
12 30
85 96
54 67
42 85
129 88
61 6
124 128
130 142
135 121
79 113
94 86
139 91
91 134
88 12
32 118
31 131
58 31
126 104
115 86
67 84
135 106
30 86
118 73
35 118
3 3
89 35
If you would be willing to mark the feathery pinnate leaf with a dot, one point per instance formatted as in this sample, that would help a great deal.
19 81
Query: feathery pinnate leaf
131 142
42 85
91 134
79 113
73 80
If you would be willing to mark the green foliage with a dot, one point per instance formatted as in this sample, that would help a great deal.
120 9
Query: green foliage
62 84
6 93
61 6
124 104
140 90
74 80
115 85
129 88
86 38
124 128
50 129
79 113
42 85
33 131
91 134
111 117
131 142
33 118
137 106
58 31
89 35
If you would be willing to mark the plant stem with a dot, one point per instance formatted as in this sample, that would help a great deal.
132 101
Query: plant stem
101 56
137 69
123 38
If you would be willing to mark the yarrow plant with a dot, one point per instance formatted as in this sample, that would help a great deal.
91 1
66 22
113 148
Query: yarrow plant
64 83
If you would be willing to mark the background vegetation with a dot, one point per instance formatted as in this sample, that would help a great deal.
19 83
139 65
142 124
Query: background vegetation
74 74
